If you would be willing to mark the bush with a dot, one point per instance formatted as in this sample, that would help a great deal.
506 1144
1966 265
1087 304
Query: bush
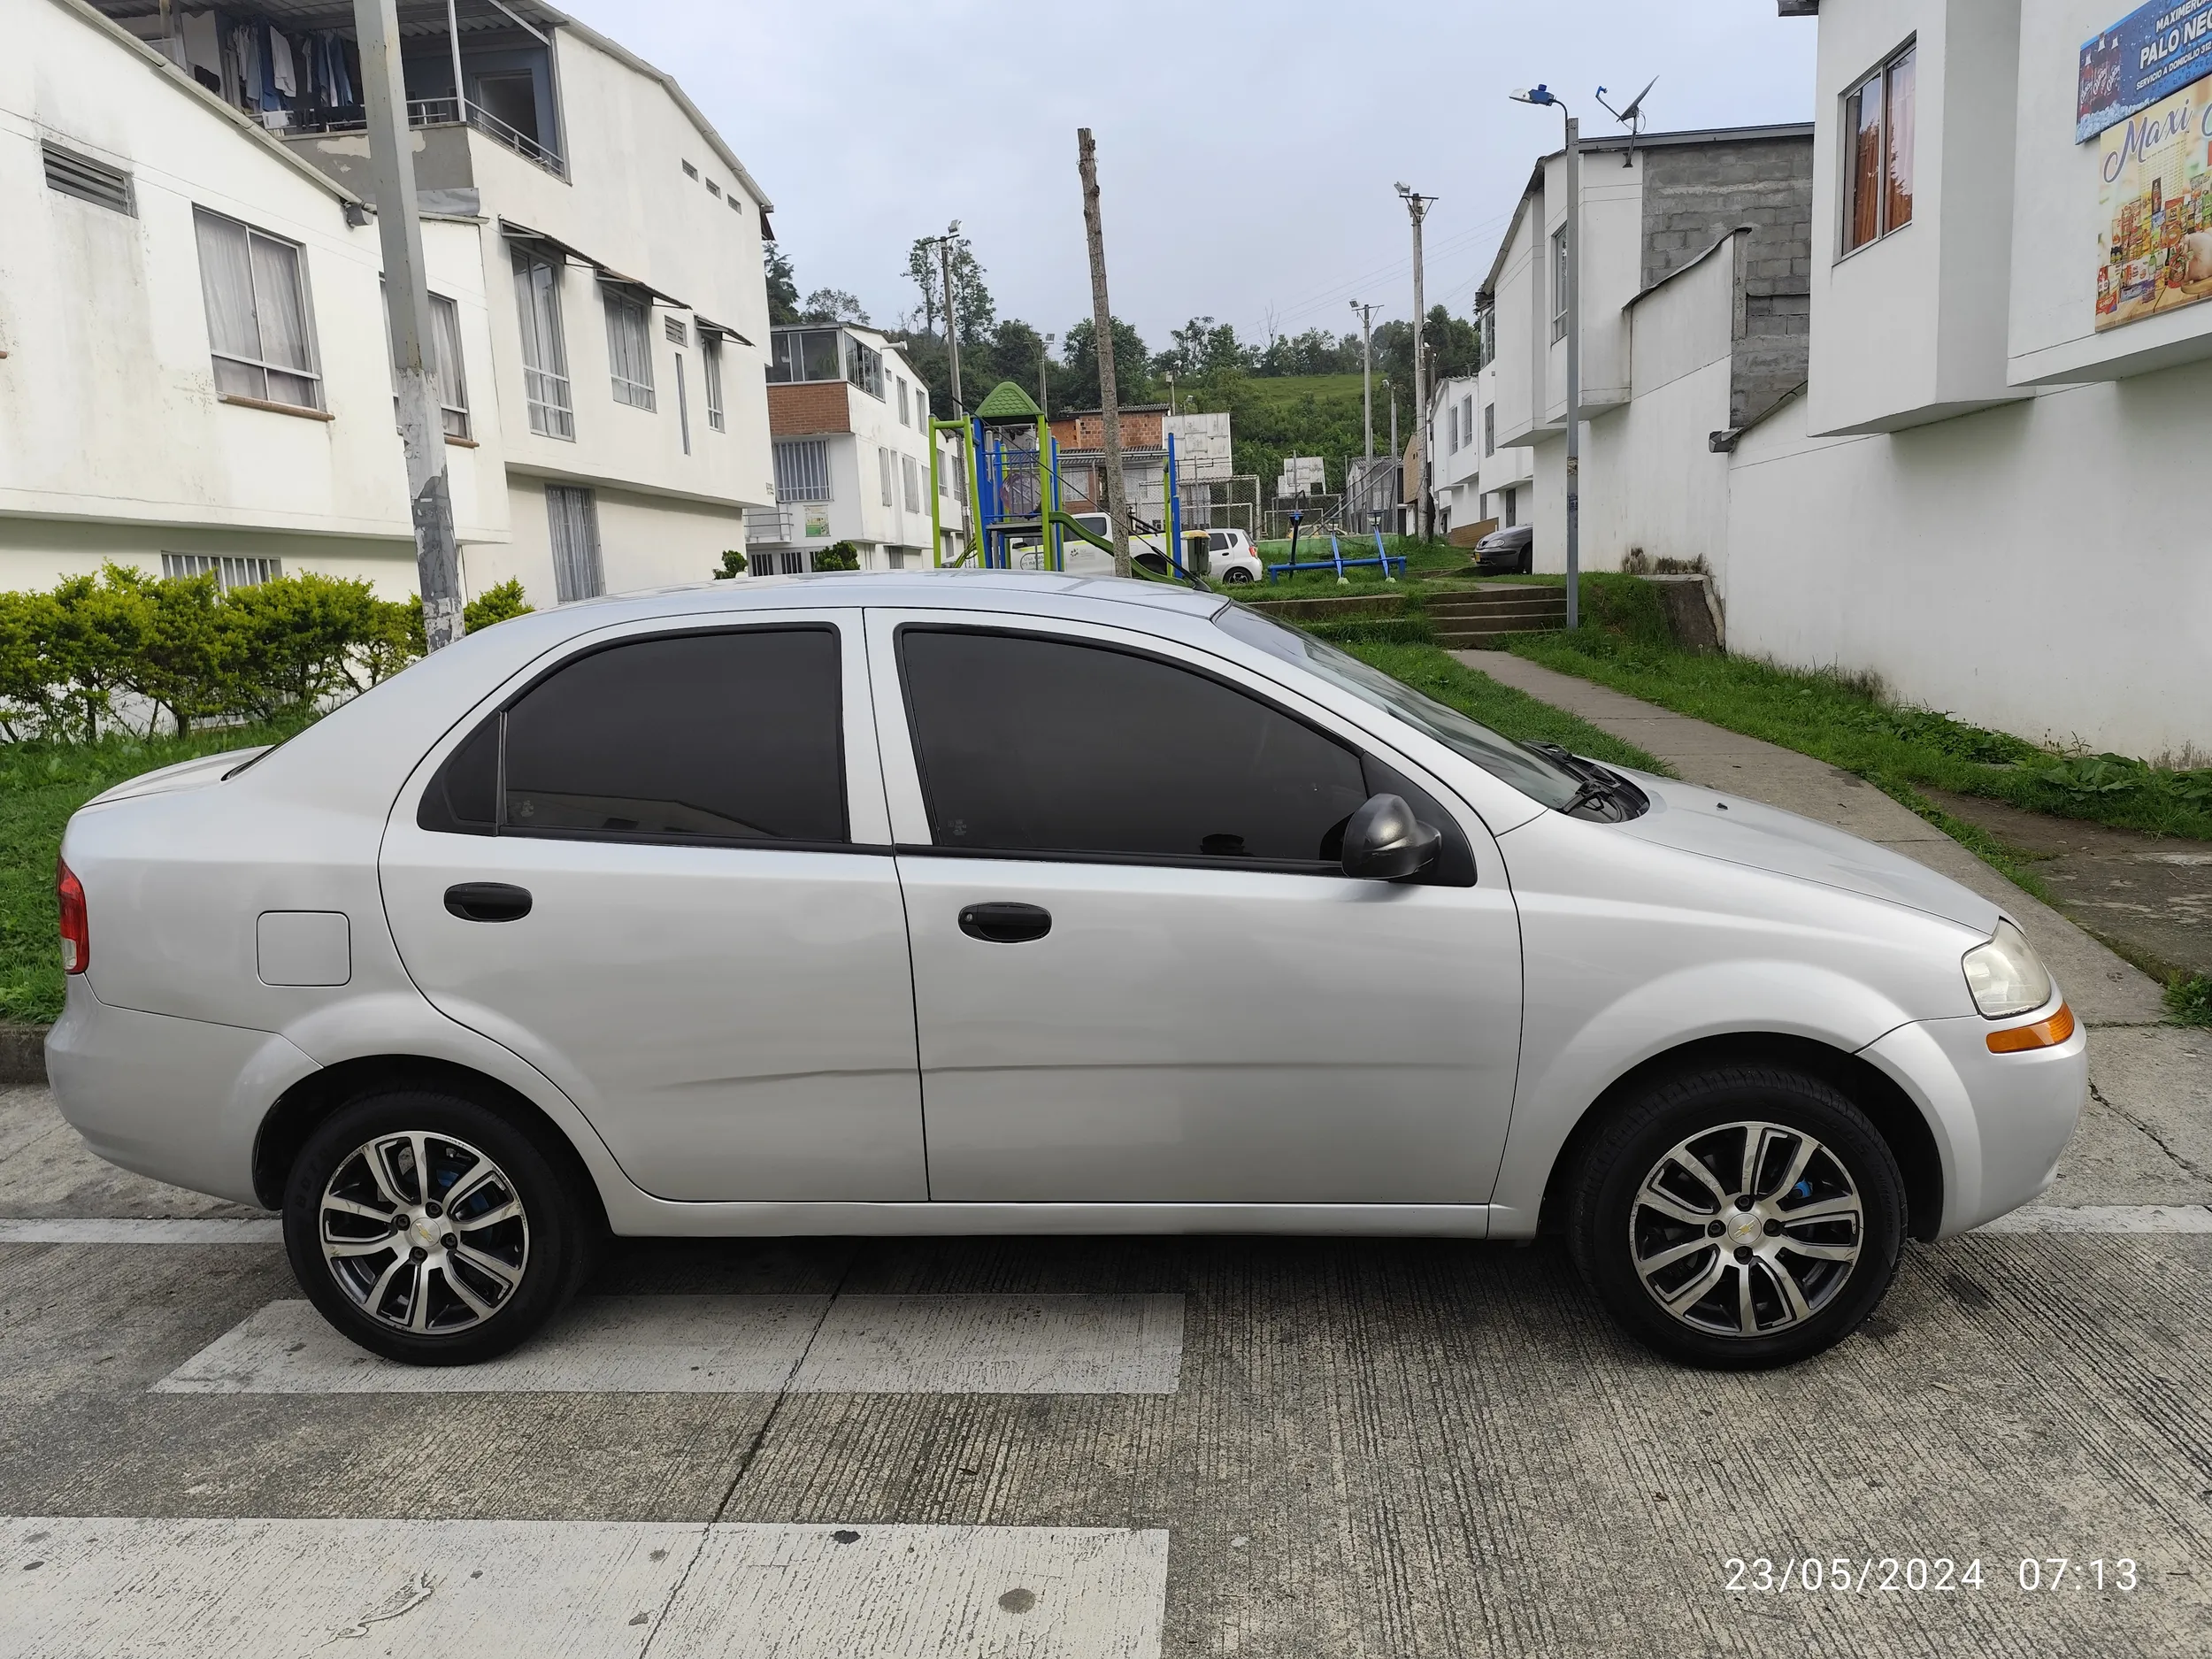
180 647
733 565
837 556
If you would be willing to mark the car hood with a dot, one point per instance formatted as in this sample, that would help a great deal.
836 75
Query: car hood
186 774
1741 832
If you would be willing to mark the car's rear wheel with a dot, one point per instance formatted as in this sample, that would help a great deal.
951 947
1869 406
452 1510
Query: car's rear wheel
1738 1217
429 1229
1236 573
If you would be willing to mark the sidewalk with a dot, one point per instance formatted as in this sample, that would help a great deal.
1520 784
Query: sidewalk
2149 1126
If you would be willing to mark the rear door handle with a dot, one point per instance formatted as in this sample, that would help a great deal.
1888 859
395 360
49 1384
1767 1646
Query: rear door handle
1005 924
488 902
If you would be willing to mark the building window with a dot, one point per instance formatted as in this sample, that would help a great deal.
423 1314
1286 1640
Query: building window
1451 423
572 518
710 364
713 188
883 465
913 480
1559 283
1489 429
544 354
690 172
673 328
87 180
803 470
904 413
453 386
1877 179
1489 343
803 354
629 348
1511 501
1467 421
864 367
229 569
255 290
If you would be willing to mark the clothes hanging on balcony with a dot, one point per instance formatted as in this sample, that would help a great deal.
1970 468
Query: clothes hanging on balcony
283 80
204 49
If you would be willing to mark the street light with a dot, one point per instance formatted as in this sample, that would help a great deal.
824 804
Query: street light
1541 94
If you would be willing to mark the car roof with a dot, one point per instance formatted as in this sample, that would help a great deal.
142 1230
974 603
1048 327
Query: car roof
982 590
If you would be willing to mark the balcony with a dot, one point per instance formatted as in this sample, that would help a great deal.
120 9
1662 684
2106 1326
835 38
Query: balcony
443 112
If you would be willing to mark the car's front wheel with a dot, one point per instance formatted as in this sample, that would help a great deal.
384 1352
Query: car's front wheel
431 1230
1740 1217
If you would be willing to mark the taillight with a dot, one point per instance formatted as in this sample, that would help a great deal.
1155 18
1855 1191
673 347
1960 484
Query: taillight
76 930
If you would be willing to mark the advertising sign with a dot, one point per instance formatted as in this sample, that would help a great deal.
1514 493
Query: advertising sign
2155 186
2154 50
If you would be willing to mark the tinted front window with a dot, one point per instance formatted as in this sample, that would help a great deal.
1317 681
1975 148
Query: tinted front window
1041 745
1532 774
726 736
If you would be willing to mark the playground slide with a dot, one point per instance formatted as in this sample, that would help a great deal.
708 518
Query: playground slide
1081 561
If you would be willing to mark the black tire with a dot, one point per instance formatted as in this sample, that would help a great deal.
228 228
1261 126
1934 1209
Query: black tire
550 1252
1613 1217
1528 561
1236 574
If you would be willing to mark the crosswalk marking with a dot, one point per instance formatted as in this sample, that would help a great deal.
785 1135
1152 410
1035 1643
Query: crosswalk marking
2131 1219
258 1588
749 1344
103 1230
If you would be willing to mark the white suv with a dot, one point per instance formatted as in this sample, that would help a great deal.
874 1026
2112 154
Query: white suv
705 911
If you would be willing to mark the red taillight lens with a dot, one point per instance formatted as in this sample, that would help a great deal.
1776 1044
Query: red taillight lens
76 930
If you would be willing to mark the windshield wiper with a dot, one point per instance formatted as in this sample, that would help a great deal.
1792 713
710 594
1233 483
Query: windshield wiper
1601 794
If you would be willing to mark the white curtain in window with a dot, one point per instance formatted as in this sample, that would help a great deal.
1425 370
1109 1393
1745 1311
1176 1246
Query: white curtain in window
453 392
277 306
226 289
883 459
913 481
572 518
544 357
629 349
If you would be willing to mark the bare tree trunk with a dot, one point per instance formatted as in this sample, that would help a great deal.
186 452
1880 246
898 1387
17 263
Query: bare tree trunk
1103 321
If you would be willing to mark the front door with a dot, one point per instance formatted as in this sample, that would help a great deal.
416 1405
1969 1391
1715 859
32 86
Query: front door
1141 974
645 875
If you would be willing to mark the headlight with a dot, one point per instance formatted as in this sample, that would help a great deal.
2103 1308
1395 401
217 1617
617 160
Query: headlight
2005 975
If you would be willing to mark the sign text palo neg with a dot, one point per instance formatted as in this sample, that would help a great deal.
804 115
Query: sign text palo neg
2154 51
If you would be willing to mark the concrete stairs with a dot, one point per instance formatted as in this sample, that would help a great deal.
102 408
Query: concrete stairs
1479 619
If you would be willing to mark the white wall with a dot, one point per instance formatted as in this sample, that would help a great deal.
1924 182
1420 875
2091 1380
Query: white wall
108 406
2000 566
1910 327
1650 479
1610 269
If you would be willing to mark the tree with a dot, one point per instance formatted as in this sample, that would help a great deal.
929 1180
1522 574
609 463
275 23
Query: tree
783 288
1078 351
1456 345
832 305
1202 347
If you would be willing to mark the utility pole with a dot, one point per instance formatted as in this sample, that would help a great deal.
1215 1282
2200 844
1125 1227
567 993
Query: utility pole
1417 209
407 301
1366 378
945 244
1571 237
1102 324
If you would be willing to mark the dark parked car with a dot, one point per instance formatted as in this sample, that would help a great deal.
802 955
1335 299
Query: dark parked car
1512 549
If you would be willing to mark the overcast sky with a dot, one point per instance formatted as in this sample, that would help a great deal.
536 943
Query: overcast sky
1246 150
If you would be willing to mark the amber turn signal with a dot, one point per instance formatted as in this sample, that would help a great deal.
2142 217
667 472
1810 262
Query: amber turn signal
2045 1033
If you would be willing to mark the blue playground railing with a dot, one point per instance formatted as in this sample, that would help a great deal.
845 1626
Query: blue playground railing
1336 561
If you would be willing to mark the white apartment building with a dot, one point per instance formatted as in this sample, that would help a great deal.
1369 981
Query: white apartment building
850 419
1694 269
2010 354
193 367
199 375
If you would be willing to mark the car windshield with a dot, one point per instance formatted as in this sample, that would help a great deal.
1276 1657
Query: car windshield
1532 773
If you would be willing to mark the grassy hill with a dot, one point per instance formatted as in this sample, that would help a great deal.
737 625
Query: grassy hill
1308 414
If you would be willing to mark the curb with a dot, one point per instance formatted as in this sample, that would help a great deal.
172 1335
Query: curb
22 1055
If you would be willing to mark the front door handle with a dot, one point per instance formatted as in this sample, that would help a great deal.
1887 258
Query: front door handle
1005 924
488 902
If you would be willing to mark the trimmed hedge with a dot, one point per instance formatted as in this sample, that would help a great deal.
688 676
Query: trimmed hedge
182 647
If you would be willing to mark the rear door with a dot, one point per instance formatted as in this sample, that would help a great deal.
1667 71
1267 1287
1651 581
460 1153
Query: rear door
658 871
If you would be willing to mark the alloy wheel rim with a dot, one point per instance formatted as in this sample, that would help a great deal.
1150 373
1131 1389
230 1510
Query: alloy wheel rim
424 1232
1746 1229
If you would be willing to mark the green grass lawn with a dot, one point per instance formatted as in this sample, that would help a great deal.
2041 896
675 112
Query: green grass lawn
41 785
1623 643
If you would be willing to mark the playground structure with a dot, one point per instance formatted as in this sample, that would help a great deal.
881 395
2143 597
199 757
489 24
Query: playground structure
1336 561
1017 499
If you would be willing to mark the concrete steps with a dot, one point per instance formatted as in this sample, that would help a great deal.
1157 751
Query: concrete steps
1481 619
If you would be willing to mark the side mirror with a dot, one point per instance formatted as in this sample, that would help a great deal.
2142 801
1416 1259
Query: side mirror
1384 841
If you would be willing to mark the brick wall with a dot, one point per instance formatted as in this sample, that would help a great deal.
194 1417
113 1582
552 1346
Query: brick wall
1694 194
810 407
1141 429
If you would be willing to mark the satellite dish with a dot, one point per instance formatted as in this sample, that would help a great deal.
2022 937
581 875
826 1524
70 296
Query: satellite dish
1633 113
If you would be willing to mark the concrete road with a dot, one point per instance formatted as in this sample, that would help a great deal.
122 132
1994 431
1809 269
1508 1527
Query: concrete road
1103 1446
